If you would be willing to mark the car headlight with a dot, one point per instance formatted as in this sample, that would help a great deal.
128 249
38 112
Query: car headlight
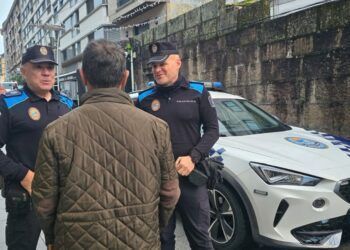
278 176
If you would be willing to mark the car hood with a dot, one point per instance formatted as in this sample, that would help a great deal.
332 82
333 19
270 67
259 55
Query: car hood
296 149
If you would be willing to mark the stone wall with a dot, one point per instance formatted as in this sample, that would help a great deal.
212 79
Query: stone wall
296 67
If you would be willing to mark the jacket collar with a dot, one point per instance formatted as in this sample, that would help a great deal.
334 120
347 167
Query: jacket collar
34 98
106 95
181 82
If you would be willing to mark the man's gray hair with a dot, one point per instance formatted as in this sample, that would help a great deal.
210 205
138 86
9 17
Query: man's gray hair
103 63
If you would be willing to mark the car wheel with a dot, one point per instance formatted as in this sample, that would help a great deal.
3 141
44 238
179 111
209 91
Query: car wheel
228 225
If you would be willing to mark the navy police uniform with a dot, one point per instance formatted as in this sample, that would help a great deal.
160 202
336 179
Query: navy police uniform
23 117
186 107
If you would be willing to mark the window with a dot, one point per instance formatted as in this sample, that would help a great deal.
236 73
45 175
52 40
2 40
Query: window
71 51
68 23
99 34
139 29
89 6
240 117
93 4
91 36
72 21
122 2
72 2
76 49
64 55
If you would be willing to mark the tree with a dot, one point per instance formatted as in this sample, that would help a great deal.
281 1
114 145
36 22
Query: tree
17 78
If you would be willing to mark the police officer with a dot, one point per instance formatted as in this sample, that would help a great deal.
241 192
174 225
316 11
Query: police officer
186 107
23 116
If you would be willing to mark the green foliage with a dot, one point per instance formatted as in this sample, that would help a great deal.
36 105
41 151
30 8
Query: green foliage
245 3
17 78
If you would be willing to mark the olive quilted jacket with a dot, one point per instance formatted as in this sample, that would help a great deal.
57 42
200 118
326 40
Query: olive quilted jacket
105 176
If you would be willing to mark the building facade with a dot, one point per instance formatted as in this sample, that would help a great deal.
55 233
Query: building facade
132 17
68 25
83 21
12 35
2 68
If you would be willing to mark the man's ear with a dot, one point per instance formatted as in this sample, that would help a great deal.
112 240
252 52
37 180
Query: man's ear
178 61
23 71
82 76
123 80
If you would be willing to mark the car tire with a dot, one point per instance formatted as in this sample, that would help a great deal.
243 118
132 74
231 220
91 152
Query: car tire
229 227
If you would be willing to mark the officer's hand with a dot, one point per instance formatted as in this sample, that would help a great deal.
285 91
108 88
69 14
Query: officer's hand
27 181
184 165
50 247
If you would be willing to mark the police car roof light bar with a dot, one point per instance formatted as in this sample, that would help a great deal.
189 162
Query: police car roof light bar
214 85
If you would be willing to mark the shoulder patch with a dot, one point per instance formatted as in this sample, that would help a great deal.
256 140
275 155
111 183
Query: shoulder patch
145 93
66 100
12 93
14 97
197 86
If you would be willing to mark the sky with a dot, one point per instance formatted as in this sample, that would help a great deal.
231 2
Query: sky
4 11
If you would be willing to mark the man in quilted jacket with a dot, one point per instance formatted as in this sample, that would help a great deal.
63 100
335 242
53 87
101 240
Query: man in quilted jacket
105 175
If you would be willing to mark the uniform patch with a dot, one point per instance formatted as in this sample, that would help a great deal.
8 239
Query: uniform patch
186 101
43 51
155 106
154 48
306 142
12 93
34 113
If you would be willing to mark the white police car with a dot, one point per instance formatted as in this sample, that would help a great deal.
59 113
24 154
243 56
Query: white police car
283 185
8 86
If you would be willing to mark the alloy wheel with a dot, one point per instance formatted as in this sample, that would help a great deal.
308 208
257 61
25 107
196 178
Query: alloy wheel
222 219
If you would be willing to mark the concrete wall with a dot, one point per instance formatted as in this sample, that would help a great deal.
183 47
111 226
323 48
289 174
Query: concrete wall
296 67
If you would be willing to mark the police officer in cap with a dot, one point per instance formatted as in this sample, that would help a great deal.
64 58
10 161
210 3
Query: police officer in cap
24 114
186 106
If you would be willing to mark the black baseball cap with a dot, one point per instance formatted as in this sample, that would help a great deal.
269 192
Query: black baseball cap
160 51
39 54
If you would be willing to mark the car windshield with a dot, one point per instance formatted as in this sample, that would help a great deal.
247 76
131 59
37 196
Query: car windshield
241 117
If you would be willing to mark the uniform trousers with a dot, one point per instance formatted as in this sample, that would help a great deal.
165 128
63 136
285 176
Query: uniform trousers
22 231
194 209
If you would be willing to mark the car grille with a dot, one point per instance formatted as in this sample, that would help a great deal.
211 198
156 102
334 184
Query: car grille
315 232
343 189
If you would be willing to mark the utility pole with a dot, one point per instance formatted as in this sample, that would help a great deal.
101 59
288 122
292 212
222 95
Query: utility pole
130 51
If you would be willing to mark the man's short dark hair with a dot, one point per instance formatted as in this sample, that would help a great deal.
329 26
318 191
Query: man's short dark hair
103 63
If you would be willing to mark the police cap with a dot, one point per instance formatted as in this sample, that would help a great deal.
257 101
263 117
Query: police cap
39 54
160 51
